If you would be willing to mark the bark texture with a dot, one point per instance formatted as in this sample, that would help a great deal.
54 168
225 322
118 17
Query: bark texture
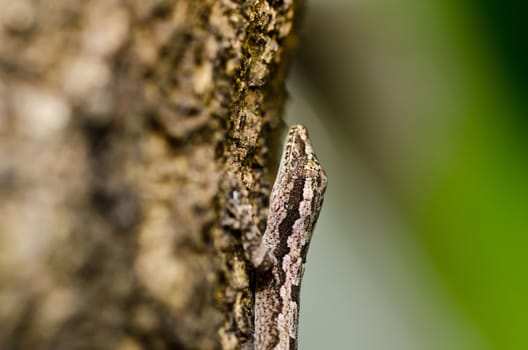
134 147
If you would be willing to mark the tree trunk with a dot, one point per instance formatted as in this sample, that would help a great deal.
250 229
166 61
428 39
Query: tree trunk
131 134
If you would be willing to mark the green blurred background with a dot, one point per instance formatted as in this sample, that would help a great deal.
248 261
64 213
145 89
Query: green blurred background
417 109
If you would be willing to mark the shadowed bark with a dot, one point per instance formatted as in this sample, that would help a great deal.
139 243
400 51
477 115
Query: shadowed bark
134 148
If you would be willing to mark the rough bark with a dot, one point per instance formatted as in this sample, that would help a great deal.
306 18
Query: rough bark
131 135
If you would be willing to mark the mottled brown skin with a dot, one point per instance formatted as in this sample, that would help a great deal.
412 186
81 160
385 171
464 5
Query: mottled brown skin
295 203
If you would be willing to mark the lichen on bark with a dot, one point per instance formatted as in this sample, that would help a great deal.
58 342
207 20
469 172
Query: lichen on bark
131 134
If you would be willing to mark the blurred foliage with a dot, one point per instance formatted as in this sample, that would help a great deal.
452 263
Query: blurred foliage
475 222
508 27
434 95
